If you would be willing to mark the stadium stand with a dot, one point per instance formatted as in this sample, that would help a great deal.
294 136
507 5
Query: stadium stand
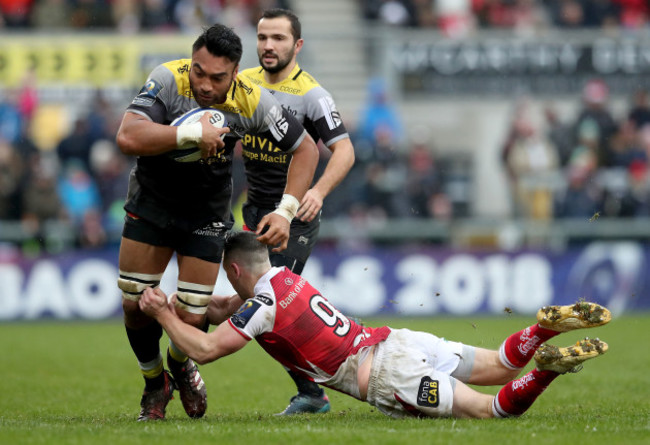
555 157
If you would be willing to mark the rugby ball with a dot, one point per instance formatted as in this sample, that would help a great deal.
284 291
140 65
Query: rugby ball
189 152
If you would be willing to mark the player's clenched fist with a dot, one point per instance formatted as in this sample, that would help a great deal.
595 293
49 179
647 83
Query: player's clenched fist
153 301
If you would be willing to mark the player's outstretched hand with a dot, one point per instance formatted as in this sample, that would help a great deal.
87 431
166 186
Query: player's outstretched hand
153 302
277 233
310 205
211 137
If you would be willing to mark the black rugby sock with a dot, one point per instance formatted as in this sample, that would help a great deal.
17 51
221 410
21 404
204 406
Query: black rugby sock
305 386
145 342
154 383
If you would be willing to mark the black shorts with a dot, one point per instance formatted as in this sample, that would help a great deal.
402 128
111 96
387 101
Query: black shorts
302 235
205 243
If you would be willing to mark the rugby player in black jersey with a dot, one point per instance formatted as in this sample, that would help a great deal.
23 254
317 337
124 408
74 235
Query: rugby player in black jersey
278 43
183 208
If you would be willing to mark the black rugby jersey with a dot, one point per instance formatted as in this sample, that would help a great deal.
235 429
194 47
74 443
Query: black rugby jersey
190 194
266 163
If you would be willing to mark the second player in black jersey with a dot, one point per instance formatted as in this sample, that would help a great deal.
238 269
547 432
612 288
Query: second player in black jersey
278 43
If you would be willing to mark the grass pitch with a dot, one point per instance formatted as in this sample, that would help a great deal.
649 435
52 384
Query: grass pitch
78 383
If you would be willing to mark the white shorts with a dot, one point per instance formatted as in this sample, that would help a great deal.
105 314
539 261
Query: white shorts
346 378
414 374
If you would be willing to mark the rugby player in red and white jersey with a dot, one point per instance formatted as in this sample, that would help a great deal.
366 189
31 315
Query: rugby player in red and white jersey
184 207
278 44
401 372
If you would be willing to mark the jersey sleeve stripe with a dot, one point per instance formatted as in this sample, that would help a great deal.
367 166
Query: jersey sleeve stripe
139 113
336 139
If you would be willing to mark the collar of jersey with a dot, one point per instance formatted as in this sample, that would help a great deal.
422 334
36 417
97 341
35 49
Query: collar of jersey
262 283
290 78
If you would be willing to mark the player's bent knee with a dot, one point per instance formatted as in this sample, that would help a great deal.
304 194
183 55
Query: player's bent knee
193 298
130 306
488 369
134 318
196 320
132 284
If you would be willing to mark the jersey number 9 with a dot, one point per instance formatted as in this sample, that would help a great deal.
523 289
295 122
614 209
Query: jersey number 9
330 315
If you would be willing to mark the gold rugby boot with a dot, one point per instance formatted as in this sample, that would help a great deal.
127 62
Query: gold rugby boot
569 359
576 316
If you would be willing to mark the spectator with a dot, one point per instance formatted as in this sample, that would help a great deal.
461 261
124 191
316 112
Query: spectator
86 14
523 16
11 119
454 18
559 134
532 164
27 103
595 116
27 100
423 180
575 14
92 233
600 13
40 200
582 196
156 15
636 202
396 13
379 121
51 14
78 191
385 189
237 14
11 171
101 121
111 170
26 147
626 146
15 13
76 145
192 15
390 12
633 14
639 115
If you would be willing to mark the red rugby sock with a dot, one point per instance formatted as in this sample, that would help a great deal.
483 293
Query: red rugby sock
517 396
517 350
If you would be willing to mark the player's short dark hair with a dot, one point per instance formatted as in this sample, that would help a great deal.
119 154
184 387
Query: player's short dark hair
220 41
244 243
274 13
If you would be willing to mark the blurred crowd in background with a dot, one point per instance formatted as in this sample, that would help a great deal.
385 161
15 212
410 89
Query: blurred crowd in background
451 17
591 164
131 16
457 18
594 165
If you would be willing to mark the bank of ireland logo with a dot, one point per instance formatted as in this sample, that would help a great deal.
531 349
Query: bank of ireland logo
428 393
288 281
